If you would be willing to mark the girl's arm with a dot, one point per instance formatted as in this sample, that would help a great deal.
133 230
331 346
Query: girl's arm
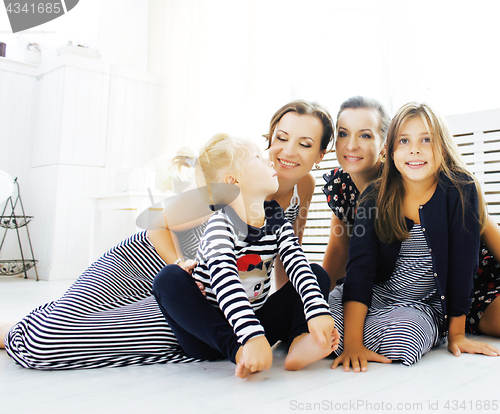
299 271
335 259
305 190
355 353
458 343
491 237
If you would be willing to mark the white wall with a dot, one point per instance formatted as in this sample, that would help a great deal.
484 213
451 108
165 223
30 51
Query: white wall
446 52
227 66
68 124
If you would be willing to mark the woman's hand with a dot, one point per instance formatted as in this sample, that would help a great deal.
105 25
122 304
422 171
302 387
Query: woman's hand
459 343
358 356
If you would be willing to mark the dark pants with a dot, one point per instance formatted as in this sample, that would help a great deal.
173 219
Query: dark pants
202 329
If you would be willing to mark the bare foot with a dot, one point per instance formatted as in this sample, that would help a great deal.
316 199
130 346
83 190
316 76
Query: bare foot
4 330
305 350
241 370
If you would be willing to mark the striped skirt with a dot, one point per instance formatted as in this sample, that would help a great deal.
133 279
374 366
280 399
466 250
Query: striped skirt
107 318
404 319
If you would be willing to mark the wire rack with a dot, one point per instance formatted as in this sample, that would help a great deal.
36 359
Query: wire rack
15 221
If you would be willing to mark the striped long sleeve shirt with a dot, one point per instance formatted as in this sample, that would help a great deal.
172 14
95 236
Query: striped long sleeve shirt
235 261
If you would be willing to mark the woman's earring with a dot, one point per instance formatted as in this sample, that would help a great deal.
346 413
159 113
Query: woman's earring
382 154
317 166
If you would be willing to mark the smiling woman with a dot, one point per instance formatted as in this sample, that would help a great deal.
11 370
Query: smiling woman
298 138
362 125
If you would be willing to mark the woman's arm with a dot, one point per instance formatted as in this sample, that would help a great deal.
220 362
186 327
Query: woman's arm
491 237
336 254
165 244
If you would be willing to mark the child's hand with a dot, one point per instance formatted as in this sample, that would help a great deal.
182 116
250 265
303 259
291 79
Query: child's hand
323 330
188 265
459 343
256 355
358 356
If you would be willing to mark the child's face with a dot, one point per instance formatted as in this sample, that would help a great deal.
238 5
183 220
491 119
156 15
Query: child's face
296 145
359 144
258 175
413 153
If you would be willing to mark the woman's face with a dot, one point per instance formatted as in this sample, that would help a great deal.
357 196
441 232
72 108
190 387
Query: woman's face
296 145
359 144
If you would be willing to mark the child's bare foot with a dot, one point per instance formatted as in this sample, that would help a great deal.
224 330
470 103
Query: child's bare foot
305 350
241 370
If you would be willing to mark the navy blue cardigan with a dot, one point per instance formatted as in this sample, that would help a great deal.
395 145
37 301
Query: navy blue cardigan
453 239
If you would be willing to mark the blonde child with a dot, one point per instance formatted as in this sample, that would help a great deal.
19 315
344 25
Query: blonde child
238 319
413 252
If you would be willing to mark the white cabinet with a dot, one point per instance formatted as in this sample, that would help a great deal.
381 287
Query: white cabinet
67 125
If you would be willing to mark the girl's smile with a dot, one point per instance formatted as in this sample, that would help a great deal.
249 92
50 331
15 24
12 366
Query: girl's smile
416 164
413 154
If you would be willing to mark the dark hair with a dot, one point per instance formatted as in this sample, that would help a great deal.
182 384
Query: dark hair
358 102
302 107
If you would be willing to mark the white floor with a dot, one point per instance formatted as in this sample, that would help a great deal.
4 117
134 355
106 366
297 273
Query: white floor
439 383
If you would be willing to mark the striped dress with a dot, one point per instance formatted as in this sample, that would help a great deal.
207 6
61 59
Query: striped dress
108 317
403 320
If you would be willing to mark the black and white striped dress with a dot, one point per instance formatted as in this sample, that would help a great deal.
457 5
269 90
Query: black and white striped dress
108 317
403 320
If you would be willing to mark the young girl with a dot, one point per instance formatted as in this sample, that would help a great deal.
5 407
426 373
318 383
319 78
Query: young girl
112 298
362 125
413 252
239 321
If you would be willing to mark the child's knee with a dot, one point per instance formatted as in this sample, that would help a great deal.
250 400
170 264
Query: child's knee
170 275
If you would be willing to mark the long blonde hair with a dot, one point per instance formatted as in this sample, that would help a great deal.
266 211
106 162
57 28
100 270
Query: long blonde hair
389 188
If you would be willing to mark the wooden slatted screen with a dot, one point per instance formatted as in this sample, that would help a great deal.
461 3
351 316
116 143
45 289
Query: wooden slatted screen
478 137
